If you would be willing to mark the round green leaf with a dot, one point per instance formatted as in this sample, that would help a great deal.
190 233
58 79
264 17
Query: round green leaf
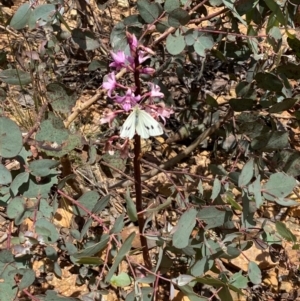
27 279
16 207
62 98
47 230
5 175
32 188
88 200
238 280
8 287
6 256
203 43
121 280
45 209
175 44
15 77
279 186
178 17
191 37
43 167
19 180
170 5
51 253
10 140
149 11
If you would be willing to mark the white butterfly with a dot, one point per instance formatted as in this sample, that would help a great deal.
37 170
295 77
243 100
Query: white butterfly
141 122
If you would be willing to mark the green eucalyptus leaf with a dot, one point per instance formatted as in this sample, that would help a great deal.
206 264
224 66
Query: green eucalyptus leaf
274 7
203 43
254 273
118 225
268 82
175 44
90 260
202 266
170 5
43 167
18 181
42 14
47 230
5 175
238 280
51 253
120 280
149 11
131 209
216 189
239 105
8 288
15 77
62 98
28 277
85 39
10 140
21 17
247 173
101 204
57 270
255 188
285 105
45 209
285 232
125 248
184 228
272 141
16 210
33 187
214 217
178 17
88 201
279 186
93 249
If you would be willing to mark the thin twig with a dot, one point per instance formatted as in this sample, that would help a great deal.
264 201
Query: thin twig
173 29
9 31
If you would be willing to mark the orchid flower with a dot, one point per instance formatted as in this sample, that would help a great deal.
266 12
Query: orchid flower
110 83
128 101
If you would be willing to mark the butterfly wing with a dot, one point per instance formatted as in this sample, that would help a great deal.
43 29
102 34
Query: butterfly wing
146 125
128 128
